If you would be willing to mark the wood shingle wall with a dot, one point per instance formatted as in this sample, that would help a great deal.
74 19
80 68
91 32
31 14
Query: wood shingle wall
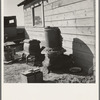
76 20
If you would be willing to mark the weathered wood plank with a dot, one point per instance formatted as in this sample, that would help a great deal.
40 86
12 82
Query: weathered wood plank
79 14
78 30
68 44
85 39
36 35
48 24
60 3
86 30
58 17
68 37
33 29
74 22
68 30
88 4
48 7
85 22
46 2
48 18
84 13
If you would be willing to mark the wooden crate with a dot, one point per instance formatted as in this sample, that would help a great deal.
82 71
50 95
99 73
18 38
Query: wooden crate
32 76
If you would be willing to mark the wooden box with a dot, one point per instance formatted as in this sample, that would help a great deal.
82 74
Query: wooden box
32 76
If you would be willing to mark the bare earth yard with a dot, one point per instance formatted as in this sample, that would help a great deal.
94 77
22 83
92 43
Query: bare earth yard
12 74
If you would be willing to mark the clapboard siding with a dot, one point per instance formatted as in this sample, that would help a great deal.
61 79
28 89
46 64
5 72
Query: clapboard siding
87 4
72 22
86 39
47 2
86 13
35 29
75 18
76 21
36 35
59 3
86 31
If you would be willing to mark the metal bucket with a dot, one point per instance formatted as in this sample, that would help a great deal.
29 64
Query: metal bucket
53 37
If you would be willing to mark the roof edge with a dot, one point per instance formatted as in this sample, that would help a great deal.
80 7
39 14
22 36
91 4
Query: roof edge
22 3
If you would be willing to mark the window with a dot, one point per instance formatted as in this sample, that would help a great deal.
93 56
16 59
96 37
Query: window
11 21
37 16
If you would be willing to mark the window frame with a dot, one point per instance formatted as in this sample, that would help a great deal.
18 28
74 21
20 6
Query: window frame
42 15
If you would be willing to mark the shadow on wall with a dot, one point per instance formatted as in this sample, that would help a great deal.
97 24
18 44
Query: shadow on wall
82 55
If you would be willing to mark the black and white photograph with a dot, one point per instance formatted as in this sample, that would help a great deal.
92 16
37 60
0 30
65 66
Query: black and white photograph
49 50
49 41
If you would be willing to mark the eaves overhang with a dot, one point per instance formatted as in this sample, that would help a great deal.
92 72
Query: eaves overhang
25 2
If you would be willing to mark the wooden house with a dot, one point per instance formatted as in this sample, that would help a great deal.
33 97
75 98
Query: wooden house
75 19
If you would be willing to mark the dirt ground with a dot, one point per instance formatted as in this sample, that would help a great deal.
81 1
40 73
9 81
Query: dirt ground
12 74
